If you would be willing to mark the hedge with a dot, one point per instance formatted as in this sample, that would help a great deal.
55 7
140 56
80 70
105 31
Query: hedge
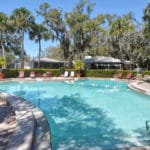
145 73
99 73
13 73
111 73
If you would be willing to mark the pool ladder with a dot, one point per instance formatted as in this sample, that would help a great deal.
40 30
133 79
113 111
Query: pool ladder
147 124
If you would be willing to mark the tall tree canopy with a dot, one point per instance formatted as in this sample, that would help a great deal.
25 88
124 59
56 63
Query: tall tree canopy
22 20
77 33
146 19
3 31
53 19
81 26
37 33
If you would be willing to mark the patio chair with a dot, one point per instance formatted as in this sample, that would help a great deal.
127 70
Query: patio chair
48 74
129 75
32 74
72 74
39 75
138 76
146 78
21 74
119 75
66 73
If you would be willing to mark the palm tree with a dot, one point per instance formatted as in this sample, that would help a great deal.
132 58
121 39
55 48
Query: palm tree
146 19
53 19
22 20
118 28
81 27
3 28
38 33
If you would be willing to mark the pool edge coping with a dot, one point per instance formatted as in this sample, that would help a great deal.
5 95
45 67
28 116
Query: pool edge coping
30 122
134 86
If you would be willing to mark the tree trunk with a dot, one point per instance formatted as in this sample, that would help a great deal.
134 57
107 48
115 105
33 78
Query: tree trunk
3 55
3 50
39 53
121 52
22 50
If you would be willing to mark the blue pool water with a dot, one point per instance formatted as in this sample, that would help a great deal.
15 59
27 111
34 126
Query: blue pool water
89 114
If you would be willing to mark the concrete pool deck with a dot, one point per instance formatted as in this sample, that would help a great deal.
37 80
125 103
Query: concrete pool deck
31 130
140 86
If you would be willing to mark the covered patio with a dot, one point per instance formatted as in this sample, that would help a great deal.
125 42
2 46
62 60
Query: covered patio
102 62
48 63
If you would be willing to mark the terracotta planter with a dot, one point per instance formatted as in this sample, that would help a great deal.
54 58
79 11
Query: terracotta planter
1 75
78 75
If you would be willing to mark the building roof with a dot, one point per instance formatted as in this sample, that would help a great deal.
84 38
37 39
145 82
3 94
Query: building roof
102 59
48 60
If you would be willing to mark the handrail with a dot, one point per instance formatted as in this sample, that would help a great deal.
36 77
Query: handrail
146 123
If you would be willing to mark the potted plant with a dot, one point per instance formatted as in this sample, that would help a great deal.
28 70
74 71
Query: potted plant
78 65
2 63
62 70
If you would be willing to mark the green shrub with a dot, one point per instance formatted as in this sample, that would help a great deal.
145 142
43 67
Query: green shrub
13 73
10 73
107 73
99 73
145 73
124 72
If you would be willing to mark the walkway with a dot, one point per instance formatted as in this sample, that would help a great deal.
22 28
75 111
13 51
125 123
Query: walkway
26 129
140 86
7 122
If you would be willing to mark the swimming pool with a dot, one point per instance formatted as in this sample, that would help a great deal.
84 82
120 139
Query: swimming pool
89 114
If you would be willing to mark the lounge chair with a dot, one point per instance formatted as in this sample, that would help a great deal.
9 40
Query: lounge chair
146 78
32 74
138 76
72 74
119 75
39 75
21 74
48 74
66 73
128 76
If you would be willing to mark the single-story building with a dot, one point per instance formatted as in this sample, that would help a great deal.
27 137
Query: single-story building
102 62
17 64
48 63
44 63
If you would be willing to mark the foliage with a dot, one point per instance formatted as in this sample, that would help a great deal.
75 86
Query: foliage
81 27
107 73
62 70
21 20
3 28
10 73
2 62
99 73
78 65
76 33
54 52
39 32
118 28
53 19
146 19
13 73
145 73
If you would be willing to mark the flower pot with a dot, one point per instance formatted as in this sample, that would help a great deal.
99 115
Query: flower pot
1 75
78 75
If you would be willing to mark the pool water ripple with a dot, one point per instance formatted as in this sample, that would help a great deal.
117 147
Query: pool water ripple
89 114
